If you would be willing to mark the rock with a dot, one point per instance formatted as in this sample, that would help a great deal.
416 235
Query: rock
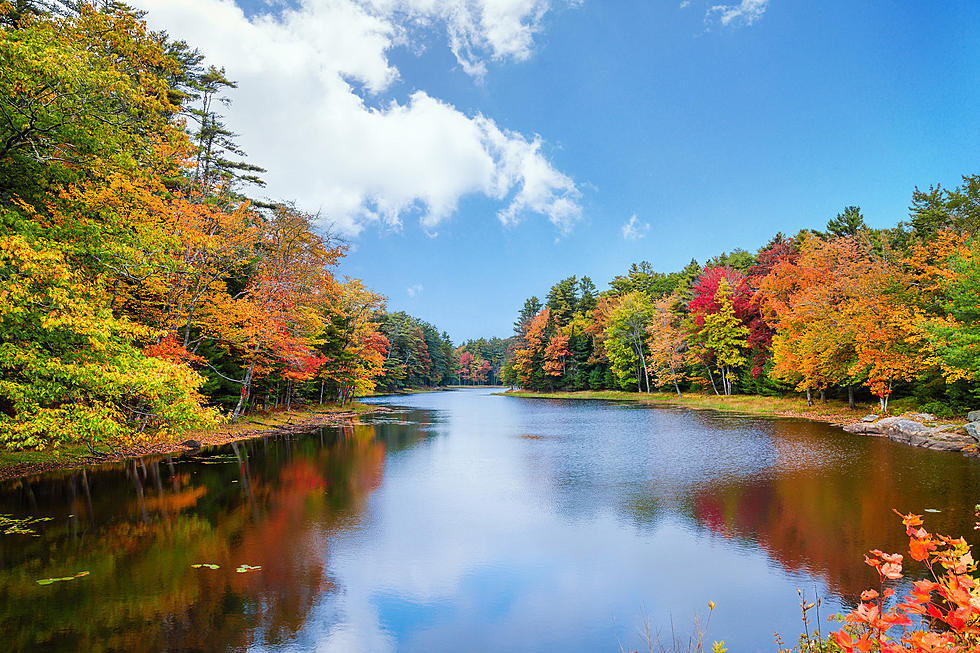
973 430
957 443
923 417
869 418
192 444
973 416
917 434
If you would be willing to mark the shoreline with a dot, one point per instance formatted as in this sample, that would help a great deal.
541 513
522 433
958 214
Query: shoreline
832 412
38 462
913 430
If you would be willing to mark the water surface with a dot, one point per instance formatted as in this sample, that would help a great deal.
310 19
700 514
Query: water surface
465 521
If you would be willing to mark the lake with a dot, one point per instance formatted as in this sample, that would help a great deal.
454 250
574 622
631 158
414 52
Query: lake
465 521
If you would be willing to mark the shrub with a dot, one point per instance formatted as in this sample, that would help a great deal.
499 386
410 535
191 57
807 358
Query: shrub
940 615
939 409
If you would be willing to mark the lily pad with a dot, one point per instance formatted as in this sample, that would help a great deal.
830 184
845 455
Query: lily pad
9 525
48 581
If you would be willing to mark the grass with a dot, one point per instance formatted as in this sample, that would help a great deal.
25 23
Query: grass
66 453
829 411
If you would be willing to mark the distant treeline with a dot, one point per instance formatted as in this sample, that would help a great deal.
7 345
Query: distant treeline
846 310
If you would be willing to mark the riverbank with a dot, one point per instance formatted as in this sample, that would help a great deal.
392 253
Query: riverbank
403 392
834 412
14 464
917 430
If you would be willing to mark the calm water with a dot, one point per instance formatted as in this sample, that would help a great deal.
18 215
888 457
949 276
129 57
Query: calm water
469 522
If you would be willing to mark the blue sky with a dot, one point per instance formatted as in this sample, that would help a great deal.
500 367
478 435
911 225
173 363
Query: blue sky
713 135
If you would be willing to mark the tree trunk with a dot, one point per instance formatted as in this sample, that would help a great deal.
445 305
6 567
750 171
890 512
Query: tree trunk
711 377
246 386
809 398
823 396
646 373
850 396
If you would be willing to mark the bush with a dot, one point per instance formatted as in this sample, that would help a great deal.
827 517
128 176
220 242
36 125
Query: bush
940 615
938 408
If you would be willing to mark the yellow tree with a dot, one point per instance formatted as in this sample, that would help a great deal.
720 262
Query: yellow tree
888 342
666 343
353 346
946 275
806 299
724 335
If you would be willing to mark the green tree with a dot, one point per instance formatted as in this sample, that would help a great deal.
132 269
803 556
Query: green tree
955 338
586 295
626 336
532 306
562 301
848 222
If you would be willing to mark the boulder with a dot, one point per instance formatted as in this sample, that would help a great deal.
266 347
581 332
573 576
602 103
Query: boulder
946 437
973 430
950 442
923 417
973 416
869 418
191 444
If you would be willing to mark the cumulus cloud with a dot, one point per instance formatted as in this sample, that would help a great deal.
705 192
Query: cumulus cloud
478 29
634 229
414 290
745 13
306 107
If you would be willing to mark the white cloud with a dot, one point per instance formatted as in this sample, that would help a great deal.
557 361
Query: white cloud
307 74
478 29
744 13
414 290
634 229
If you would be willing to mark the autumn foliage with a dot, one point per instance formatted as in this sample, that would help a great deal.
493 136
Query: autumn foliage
142 291
851 311
940 614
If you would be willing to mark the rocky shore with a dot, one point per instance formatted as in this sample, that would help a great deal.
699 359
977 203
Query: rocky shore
924 430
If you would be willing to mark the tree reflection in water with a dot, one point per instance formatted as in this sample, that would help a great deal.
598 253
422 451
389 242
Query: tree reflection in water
138 526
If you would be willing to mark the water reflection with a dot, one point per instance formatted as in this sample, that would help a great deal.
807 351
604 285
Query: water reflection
468 521
827 499
138 527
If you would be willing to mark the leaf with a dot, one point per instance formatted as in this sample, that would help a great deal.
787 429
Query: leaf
48 581
247 568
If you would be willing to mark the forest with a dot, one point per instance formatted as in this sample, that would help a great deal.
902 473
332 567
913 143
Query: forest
845 311
145 286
